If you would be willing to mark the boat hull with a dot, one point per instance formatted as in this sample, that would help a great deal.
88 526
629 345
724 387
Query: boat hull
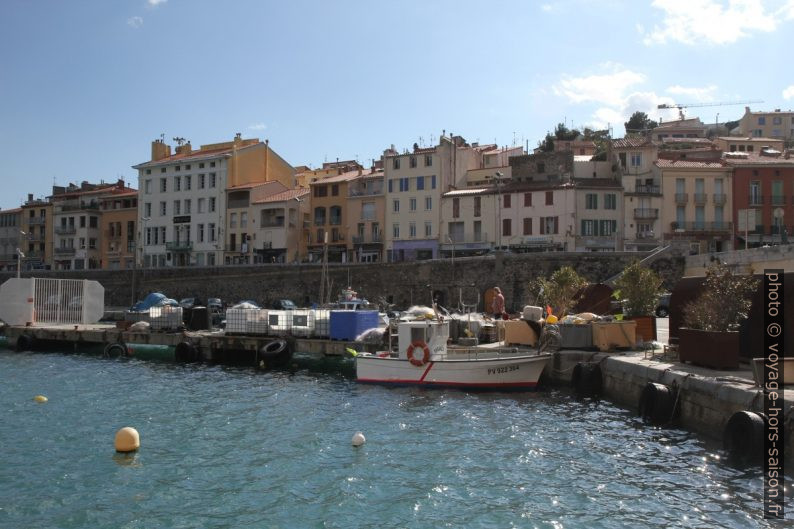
519 373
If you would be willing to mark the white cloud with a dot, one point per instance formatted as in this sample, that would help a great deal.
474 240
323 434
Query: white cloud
606 88
135 22
155 3
704 94
712 21
547 7
788 93
257 126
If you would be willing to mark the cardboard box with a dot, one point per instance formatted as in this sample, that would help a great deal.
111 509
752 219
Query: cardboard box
608 335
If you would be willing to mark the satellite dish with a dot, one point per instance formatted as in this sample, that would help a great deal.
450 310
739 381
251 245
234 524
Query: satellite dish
778 213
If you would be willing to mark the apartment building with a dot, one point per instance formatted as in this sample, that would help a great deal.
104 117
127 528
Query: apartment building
183 200
329 230
281 218
118 229
366 215
415 182
777 124
747 143
697 203
642 192
680 128
241 220
12 239
76 224
38 228
598 218
763 197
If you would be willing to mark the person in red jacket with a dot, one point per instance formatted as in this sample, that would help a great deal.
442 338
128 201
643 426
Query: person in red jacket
498 304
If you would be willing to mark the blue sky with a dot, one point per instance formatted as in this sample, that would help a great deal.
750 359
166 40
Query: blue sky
86 86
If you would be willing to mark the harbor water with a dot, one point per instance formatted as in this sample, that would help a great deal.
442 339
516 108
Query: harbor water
239 447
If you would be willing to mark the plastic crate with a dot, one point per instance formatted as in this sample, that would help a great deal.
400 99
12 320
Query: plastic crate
573 336
165 318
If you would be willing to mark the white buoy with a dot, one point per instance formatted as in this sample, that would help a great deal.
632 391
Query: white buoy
358 439
127 440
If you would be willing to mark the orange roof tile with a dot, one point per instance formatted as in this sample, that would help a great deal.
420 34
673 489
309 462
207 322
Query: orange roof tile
283 196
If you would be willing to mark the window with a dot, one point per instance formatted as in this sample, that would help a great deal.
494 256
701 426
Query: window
528 226
428 160
636 159
412 204
368 211
391 186
162 234
147 187
396 206
321 191
762 120
187 167
200 205
81 243
428 229
201 165
92 243
212 205
82 221
420 183
591 201
148 171
396 163
607 227
405 184
335 190
202 179
211 232
212 164
187 206
588 227
412 161
412 230
507 227
243 219
212 176
610 201
549 225
455 208
428 203
395 231
163 185
477 206
177 183
777 120
319 217
162 208
527 200
177 209
162 169
507 200
177 168
147 209
188 182
433 182
335 214
549 198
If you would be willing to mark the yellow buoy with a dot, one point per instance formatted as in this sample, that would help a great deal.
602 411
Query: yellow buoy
551 319
127 440
40 398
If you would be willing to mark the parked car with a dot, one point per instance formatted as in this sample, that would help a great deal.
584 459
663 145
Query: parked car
187 303
215 304
663 306
284 304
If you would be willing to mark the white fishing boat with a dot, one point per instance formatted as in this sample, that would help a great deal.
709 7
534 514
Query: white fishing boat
422 358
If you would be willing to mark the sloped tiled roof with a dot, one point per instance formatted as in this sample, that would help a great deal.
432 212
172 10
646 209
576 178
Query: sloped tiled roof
631 143
664 163
289 194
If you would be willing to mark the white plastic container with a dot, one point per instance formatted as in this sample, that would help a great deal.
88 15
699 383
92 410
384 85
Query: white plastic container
322 323
301 322
166 318
279 322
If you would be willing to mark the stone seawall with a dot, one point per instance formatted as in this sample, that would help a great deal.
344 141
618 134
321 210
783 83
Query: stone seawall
403 284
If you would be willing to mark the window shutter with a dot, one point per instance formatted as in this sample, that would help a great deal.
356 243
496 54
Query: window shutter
556 225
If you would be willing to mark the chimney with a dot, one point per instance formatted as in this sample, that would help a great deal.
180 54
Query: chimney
184 149
30 197
746 110
160 150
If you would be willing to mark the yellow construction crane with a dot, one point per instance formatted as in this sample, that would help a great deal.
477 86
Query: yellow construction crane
682 106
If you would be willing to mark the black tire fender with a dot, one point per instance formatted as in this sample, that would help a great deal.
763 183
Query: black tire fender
186 352
587 379
657 403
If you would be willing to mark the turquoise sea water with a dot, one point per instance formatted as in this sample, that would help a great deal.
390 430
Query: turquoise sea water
227 447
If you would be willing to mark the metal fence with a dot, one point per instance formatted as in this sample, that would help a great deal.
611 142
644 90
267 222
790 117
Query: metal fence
58 301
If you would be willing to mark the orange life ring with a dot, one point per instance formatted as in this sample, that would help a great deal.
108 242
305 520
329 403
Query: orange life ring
425 356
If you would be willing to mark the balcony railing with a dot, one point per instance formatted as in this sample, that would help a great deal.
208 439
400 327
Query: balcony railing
471 238
778 200
65 230
646 213
78 207
37 221
179 246
681 198
697 226
645 189
272 223
378 190
367 239
719 199
65 251
701 198
755 200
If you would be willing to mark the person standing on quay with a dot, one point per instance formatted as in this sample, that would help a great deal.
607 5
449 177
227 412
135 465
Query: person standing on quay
498 303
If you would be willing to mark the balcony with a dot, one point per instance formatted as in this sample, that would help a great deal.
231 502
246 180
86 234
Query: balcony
701 198
179 246
755 200
681 198
368 239
37 221
65 230
701 227
113 253
273 223
650 189
719 199
778 200
65 251
79 207
646 213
